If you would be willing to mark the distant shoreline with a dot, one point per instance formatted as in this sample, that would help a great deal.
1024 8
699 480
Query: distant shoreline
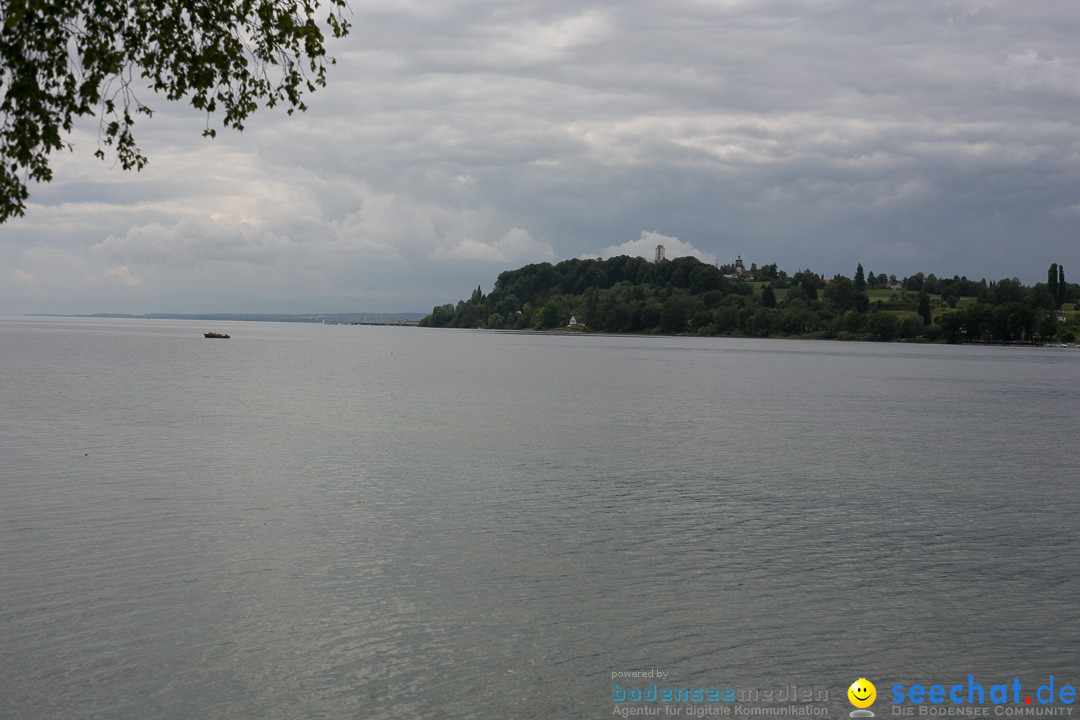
403 318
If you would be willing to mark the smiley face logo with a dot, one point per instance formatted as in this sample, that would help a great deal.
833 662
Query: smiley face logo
862 693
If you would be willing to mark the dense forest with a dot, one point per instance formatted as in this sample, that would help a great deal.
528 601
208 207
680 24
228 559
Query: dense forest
686 296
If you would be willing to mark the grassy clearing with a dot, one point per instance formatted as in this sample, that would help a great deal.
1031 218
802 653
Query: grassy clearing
883 294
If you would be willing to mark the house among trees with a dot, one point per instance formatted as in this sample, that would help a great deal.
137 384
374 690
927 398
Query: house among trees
741 273
574 322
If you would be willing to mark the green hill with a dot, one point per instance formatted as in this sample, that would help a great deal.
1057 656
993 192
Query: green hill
686 296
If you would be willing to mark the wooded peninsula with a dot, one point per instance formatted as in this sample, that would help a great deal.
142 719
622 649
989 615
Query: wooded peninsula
685 296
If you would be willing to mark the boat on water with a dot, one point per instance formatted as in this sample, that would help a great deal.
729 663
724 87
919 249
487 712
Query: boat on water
215 335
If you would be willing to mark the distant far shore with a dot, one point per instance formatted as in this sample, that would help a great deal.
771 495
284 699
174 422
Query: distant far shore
404 318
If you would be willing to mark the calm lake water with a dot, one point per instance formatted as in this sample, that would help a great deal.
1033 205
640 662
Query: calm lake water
311 521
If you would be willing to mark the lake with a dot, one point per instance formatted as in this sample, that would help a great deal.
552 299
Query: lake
314 521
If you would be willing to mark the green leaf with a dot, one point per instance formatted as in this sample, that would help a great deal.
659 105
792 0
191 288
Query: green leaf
65 59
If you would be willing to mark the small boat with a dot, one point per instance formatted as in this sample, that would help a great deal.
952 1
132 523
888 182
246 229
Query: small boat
215 335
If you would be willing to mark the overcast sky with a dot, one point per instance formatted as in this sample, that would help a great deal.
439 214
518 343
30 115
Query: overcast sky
460 138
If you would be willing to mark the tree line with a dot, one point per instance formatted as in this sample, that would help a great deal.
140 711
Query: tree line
686 296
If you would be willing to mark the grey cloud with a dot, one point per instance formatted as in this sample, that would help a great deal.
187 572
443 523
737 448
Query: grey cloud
457 138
